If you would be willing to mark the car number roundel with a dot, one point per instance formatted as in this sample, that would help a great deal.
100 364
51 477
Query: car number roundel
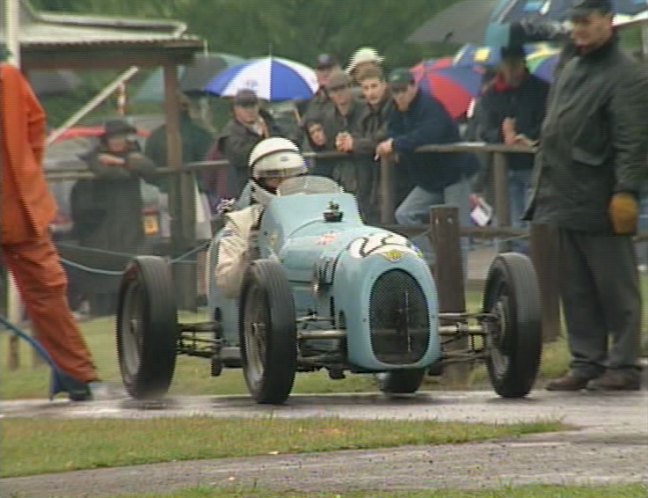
391 246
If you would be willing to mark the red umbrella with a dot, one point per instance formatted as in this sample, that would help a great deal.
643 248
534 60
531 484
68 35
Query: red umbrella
454 86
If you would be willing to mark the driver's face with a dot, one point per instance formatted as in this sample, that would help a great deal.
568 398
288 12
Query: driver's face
272 183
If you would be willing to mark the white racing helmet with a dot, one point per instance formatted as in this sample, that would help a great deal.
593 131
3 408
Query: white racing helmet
273 158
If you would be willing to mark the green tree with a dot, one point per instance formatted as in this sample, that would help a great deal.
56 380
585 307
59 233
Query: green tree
297 29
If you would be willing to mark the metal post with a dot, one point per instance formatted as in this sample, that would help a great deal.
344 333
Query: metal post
502 207
448 273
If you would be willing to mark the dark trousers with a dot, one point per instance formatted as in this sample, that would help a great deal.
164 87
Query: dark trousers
601 301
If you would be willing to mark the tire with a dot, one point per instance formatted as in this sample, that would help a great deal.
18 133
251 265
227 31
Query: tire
515 339
147 328
400 381
268 332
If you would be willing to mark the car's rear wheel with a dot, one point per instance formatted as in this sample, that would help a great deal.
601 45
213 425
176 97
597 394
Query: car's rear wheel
515 337
268 332
147 325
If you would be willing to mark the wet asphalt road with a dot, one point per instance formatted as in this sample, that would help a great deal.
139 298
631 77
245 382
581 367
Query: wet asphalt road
609 444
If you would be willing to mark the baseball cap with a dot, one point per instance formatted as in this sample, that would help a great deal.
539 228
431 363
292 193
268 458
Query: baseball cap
246 98
338 79
325 61
582 8
400 77
114 127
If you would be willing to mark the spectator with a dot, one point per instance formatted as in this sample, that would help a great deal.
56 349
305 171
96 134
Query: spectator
589 171
249 125
512 109
195 141
318 105
316 135
109 207
341 120
27 208
439 178
371 130
270 163
362 58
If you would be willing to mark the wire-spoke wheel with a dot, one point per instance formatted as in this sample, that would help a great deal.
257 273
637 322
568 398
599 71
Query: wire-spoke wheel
146 327
515 338
268 332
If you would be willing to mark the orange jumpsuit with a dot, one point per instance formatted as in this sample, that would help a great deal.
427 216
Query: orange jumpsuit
27 209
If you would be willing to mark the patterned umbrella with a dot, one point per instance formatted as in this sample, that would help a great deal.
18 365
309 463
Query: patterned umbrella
541 58
454 86
272 78
556 10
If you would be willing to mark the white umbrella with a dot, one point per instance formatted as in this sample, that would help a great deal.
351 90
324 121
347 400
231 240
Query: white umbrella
272 78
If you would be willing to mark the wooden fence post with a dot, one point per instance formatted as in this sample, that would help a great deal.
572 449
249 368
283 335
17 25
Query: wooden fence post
502 206
449 276
386 191
182 196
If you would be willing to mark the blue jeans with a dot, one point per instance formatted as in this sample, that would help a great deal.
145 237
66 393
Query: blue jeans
519 188
415 210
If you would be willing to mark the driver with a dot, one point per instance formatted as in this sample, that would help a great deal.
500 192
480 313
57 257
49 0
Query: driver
271 161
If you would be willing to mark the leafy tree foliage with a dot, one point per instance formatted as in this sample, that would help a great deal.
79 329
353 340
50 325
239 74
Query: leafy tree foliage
297 29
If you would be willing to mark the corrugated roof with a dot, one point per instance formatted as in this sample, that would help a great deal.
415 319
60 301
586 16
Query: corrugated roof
41 28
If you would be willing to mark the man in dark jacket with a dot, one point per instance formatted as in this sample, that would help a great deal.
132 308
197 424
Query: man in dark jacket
420 120
249 125
439 178
195 139
588 174
512 110
339 121
119 166
370 129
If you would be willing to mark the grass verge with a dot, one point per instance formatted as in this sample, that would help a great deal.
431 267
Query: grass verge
621 491
64 445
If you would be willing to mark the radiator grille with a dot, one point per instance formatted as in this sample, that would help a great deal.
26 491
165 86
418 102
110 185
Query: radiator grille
399 321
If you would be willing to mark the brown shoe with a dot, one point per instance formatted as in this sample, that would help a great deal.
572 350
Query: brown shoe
569 382
615 380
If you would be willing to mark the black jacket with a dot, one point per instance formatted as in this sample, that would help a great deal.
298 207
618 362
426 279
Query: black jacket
594 140
371 128
427 122
235 143
526 104
107 210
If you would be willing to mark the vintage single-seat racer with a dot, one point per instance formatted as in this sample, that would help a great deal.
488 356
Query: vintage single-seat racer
325 291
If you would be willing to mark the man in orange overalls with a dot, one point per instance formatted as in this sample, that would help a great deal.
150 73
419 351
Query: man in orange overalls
27 208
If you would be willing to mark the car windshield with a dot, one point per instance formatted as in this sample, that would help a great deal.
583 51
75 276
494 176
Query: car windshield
308 185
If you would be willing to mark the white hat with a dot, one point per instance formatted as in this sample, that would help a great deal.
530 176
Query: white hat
364 54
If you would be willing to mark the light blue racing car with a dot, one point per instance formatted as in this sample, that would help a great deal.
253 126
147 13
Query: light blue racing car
326 291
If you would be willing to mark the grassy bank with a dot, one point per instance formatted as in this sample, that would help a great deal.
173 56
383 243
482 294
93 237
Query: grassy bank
64 445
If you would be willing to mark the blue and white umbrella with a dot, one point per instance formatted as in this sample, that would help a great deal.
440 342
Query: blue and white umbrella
272 78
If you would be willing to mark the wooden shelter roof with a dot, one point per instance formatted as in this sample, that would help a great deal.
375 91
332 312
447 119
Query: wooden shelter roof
57 41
